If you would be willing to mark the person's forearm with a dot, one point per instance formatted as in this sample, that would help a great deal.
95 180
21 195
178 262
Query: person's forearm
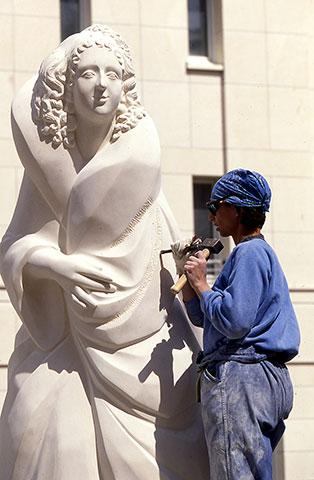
201 287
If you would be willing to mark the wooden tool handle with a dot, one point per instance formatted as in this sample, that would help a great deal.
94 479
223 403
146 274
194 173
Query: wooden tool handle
177 287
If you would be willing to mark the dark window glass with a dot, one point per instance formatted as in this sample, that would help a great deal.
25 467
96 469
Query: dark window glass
202 226
198 27
201 194
70 17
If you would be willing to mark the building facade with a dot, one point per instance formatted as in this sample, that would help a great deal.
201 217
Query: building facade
229 83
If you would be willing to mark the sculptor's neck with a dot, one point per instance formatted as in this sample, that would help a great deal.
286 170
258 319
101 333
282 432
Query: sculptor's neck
90 137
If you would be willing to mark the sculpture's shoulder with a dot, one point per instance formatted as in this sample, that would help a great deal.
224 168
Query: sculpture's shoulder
144 137
24 130
147 126
21 106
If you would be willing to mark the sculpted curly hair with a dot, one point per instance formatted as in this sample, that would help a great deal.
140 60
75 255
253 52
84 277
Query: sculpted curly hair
52 102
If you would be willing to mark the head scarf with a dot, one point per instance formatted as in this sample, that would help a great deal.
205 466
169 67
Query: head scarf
243 188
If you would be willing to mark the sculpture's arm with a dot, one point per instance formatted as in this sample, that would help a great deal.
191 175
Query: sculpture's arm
33 224
37 274
75 274
33 227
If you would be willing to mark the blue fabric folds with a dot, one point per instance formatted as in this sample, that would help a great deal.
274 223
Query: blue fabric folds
243 188
243 408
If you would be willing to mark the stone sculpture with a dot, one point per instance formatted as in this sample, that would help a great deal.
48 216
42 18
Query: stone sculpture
101 382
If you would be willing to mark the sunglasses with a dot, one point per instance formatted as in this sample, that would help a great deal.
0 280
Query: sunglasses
214 205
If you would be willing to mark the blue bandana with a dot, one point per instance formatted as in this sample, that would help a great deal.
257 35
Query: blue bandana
243 188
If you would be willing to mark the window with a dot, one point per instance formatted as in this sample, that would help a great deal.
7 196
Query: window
75 16
202 226
201 194
198 27
205 34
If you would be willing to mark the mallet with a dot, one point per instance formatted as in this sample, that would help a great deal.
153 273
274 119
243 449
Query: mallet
208 247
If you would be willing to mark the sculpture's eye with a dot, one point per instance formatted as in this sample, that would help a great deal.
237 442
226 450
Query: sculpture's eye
88 74
112 75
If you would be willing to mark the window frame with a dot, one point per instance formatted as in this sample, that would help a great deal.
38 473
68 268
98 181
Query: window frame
84 17
214 58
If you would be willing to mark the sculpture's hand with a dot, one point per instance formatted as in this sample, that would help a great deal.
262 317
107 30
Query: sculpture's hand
83 299
69 271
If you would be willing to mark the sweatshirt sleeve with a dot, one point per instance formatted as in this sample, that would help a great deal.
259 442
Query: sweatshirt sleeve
233 310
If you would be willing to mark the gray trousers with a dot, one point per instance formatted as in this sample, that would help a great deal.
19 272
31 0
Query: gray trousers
243 408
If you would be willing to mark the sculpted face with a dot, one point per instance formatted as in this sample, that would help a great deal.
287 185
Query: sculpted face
97 85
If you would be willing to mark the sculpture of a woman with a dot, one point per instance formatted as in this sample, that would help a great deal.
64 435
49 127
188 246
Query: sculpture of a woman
101 382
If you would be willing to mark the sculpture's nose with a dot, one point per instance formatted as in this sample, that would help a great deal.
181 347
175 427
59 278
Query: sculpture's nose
101 80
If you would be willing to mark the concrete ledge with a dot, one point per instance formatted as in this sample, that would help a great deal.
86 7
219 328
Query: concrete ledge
202 64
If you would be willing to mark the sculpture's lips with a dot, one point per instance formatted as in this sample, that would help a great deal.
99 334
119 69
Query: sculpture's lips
101 101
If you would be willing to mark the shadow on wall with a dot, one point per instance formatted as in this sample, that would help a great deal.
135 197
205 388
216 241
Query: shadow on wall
169 449
279 462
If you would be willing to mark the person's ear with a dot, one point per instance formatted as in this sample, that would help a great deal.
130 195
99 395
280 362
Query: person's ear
236 210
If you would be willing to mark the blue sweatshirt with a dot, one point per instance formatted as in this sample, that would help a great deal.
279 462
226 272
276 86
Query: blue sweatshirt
249 303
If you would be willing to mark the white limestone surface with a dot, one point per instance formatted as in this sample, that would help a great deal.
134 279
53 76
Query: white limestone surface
101 382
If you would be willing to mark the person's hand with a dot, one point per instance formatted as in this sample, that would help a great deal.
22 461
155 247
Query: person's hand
76 274
179 252
195 269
